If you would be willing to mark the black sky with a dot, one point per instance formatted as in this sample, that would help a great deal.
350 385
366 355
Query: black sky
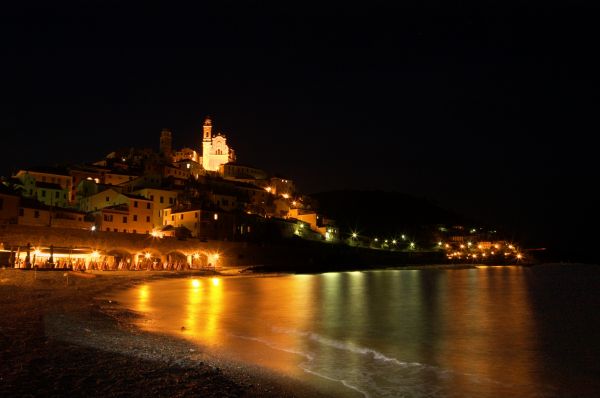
491 111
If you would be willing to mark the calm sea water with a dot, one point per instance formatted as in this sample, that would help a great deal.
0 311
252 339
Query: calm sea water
485 332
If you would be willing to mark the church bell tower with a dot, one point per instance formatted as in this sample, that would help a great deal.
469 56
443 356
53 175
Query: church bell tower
206 143
207 129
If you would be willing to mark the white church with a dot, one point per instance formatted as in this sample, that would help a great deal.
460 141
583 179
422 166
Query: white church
215 151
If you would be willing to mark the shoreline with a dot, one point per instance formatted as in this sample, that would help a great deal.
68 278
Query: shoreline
59 339
62 334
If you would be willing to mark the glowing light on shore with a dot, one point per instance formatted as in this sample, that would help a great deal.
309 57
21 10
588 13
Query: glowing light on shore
286 196
95 254
354 235
147 255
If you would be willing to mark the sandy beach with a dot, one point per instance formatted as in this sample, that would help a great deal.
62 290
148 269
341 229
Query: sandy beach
61 336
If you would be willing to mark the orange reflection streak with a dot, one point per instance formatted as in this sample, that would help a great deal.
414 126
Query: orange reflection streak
213 311
144 299
192 307
488 345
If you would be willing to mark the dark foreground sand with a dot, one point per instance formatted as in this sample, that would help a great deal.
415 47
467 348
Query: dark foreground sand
59 339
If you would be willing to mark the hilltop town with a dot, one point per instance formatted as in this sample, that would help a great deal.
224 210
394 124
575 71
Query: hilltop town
197 194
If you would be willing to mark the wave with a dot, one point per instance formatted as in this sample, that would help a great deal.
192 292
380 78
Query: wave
342 345
344 382
276 346
380 375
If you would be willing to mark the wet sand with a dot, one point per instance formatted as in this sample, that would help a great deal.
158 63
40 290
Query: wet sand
61 336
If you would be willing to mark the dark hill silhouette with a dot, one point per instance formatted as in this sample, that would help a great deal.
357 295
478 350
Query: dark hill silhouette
383 213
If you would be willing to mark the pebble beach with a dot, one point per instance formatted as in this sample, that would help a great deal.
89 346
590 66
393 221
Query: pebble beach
61 336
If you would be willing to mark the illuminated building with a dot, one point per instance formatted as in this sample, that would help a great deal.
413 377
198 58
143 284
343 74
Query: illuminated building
134 216
62 184
215 151
282 186
204 224
235 171
161 199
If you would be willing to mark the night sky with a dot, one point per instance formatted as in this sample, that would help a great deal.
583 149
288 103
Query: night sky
489 111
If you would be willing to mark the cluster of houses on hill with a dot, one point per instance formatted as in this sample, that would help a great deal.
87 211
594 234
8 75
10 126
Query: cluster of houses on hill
164 193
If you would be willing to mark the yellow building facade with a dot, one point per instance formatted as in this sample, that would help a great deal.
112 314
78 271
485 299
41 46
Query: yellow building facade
161 199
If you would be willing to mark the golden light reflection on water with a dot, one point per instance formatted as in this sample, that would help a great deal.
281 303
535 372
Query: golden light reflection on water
144 298
486 344
476 324
203 307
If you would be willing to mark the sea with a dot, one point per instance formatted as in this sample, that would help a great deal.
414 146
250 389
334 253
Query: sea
489 331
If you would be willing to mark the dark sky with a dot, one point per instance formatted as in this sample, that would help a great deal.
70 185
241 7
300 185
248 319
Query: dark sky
489 111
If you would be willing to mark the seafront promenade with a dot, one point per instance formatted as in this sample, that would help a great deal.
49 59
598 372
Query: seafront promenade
118 251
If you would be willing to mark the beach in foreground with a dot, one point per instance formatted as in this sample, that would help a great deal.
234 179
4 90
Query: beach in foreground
60 336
